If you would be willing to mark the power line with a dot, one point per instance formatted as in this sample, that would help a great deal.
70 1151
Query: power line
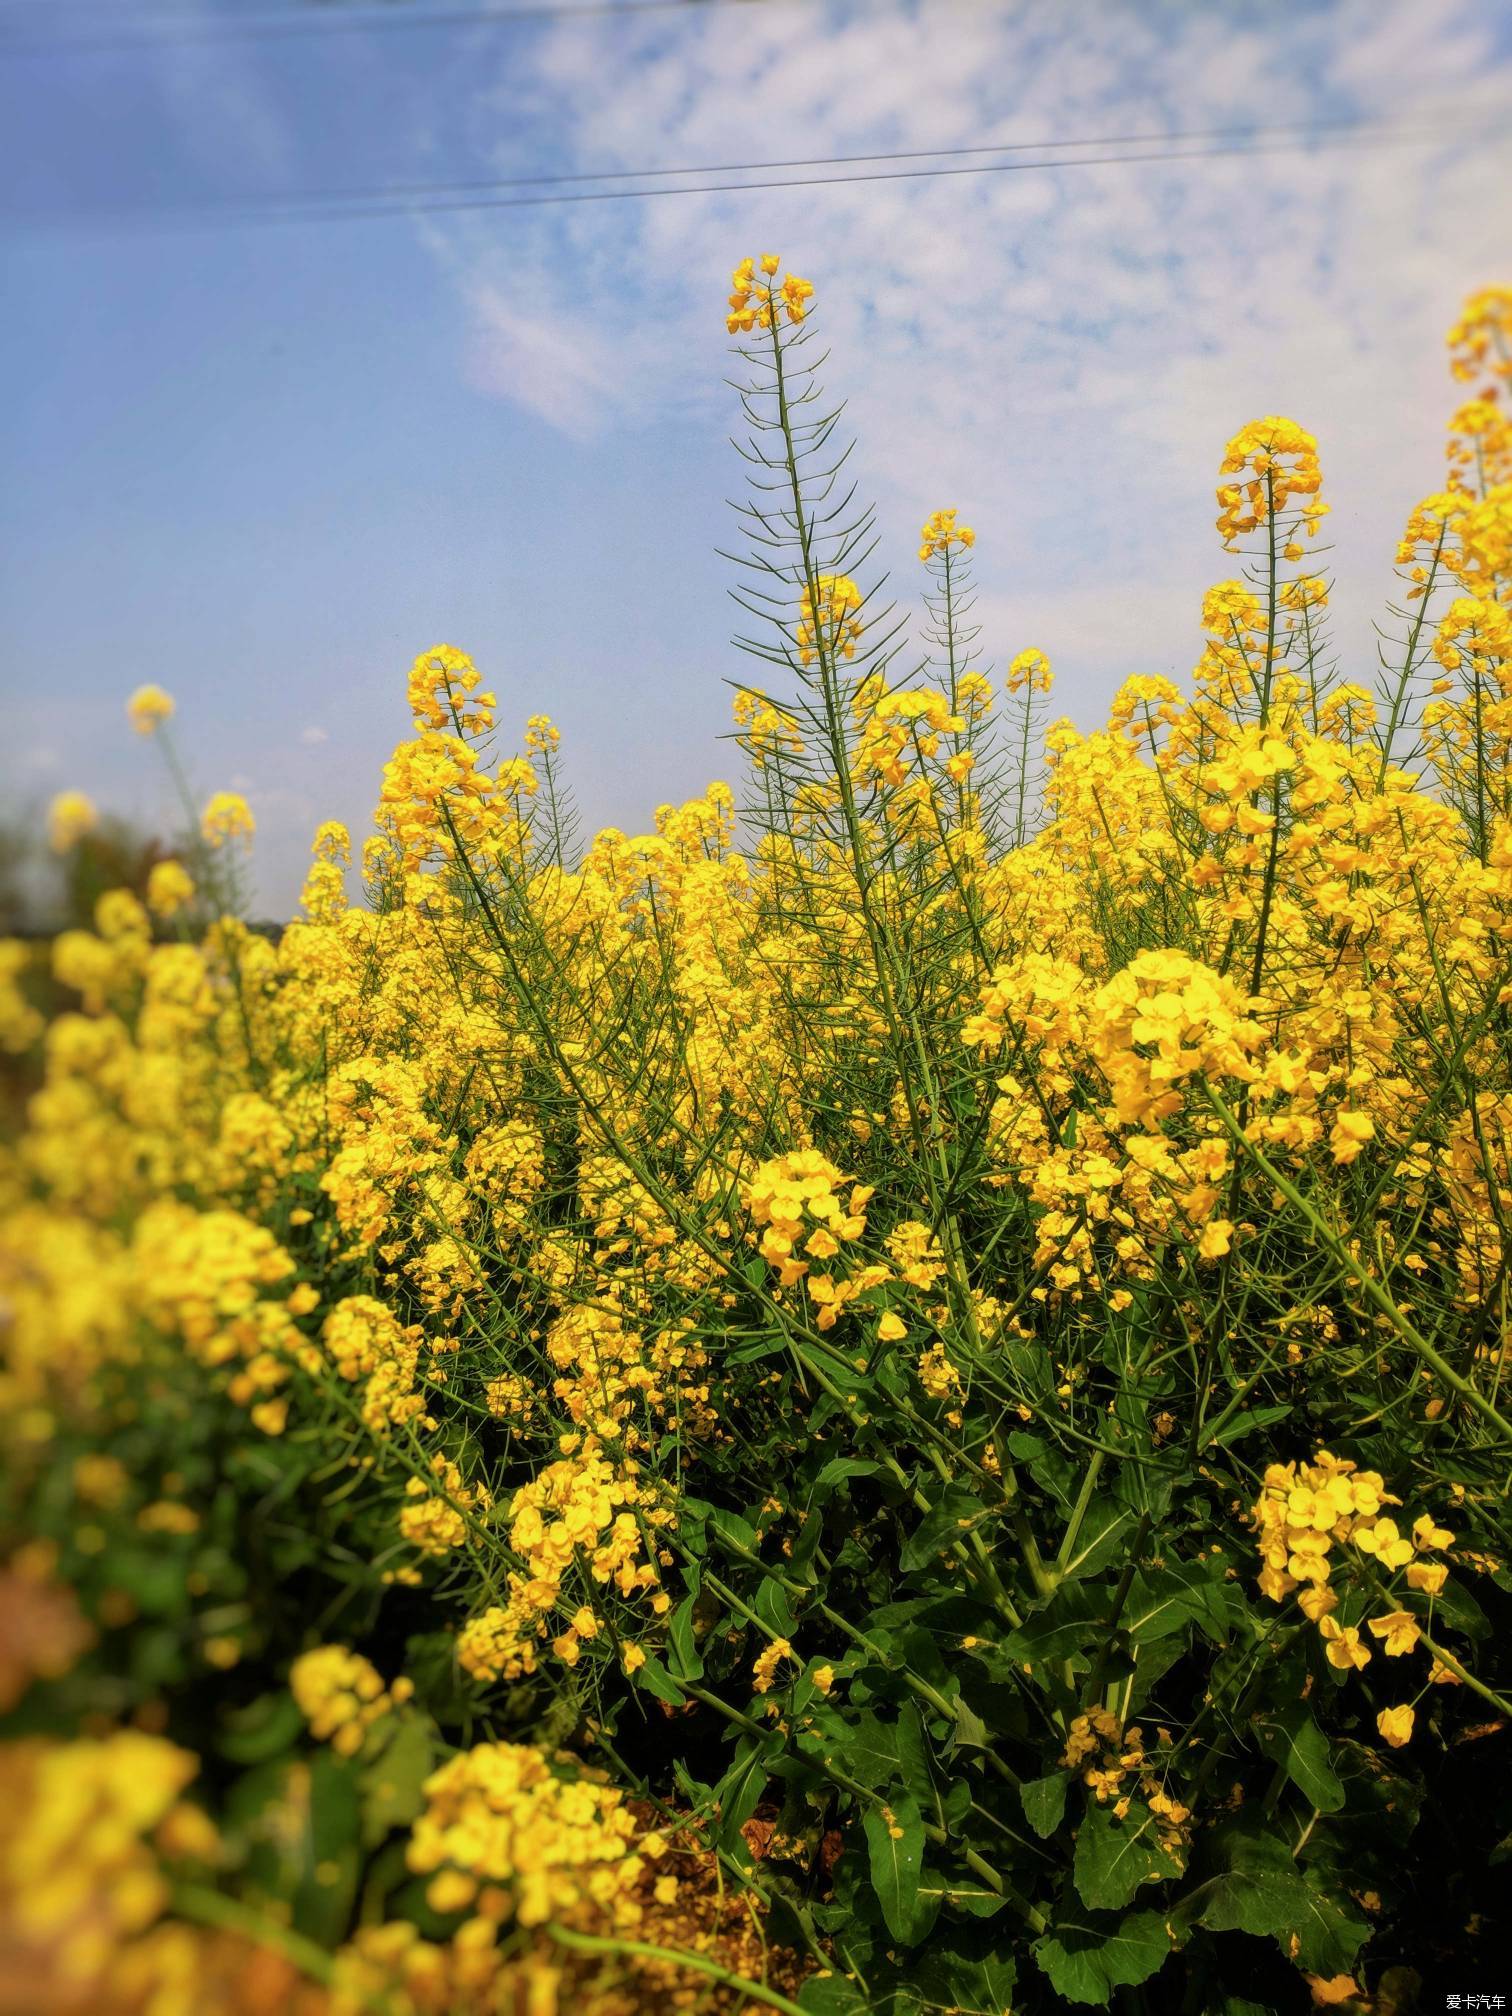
294 215
1304 128
301 26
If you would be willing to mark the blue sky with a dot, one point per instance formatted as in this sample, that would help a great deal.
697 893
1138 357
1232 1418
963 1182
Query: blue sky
266 463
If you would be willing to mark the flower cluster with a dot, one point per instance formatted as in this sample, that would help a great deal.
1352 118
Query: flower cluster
1276 461
1118 1769
940 534
227 816
796 1199
1307 1511
70 817
829 619
148 708
504 1837
341 1695
757 304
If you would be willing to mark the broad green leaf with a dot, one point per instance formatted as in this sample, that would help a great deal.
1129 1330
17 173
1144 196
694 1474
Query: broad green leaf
738 1793
839 1468
969 1733
268 1728
953 1514
756 1348
1044 1802
1105 1534
913 1751
966 1971
972 1900
730 1526
1113 1856
895 1845
832 1995
1264 1892
1071 1623
857 1741
328 1883
1291 1737
1085 1960
1163 1600
1246 1420
391 1787
684 1658
654 1679
773 1607
1046 1466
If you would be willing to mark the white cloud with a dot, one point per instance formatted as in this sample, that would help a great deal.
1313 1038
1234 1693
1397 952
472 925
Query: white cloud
312 737
546 359
1061 354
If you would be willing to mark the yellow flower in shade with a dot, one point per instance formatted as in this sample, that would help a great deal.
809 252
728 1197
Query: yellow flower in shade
632 1658
765 1670
1400 1630
69 818
148 708
823 1678
1426 1534
1395 1724
1345 1647
227 816
1350 1133
892 1329
1429 1576
1217 1236
1391 1548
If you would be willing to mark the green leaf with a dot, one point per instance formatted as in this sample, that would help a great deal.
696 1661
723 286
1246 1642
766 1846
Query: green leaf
322 1903
969 1733
895 1846
1046 1466
392 1793
654 1679
1163 1600
832 1995
1044 1802
1113 1856
913 1751
972 1900
966 1971
755 1348
1068 1626
267 1729
1105 1531
839 1468
731 1527
865 1747
1085 1961
1263 1892
1246 1420
953 1513
685 1659
1291 1737
773 1608
738 1793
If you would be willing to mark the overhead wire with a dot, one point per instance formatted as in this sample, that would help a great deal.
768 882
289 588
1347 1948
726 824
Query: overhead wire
299 27
294 210
386 191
